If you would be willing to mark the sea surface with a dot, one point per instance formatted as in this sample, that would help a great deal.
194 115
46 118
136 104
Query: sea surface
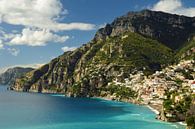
47 111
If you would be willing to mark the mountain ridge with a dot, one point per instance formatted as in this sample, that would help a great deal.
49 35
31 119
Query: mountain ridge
72 65
158 25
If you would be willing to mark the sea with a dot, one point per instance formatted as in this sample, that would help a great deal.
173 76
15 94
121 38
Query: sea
20 110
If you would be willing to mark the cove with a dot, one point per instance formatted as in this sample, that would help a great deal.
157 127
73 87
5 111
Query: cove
46 111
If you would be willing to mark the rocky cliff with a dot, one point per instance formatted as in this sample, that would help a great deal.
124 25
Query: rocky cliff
84 71
171 30
9 76
138 41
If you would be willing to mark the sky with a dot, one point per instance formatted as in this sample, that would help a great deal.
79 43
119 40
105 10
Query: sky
32 32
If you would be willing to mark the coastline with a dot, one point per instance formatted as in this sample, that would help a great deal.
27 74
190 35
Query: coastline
156 111
153 108
148 106
104 98
182 123
118 117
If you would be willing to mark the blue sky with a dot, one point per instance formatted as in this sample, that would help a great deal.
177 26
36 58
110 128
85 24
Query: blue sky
39 30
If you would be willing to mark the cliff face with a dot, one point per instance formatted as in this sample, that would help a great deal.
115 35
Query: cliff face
9 76
139 41
171 30
92 66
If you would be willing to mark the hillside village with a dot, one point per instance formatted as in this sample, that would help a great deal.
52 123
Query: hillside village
158 88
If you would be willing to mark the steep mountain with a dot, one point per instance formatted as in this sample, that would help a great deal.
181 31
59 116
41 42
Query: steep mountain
9 76
138 41
95 64
171 30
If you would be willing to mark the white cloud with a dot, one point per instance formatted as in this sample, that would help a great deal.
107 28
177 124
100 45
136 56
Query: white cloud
42 14
13 51
65 49
40 22
174 7
36 37
1 45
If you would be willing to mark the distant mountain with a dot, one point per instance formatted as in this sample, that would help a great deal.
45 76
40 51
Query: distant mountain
138 41
9 76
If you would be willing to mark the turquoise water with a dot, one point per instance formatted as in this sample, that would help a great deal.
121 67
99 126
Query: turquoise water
46 111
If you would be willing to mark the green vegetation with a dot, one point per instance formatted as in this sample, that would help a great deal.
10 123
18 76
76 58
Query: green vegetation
120 92
134 52
183 107
187 75
178 81
167 104
190 120
76 88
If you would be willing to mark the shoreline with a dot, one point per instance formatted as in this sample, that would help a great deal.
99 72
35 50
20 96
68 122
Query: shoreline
156 111
104 98
182 123
153 110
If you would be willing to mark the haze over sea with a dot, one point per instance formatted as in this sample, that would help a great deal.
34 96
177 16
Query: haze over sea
46 111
